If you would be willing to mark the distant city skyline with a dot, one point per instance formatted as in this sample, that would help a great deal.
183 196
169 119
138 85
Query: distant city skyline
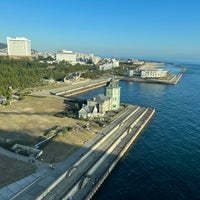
122 28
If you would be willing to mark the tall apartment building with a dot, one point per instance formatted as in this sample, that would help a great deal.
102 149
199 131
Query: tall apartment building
19 47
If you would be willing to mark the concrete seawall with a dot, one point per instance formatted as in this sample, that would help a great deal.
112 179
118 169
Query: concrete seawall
121 138
172 81
124 148
68 91
81 89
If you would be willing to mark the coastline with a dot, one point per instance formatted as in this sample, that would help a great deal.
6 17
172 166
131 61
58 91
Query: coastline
80 90
172 80
110 145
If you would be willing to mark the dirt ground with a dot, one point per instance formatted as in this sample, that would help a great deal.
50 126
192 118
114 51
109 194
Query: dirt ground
12 170
25 121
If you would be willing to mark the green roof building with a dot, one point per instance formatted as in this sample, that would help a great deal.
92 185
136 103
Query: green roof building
112 90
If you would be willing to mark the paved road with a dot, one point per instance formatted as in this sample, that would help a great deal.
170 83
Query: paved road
34 184
69 87
40 165
79 171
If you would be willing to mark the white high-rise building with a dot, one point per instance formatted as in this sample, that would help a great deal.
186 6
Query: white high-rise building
19 47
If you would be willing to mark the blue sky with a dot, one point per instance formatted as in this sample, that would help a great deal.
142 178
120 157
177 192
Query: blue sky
118 28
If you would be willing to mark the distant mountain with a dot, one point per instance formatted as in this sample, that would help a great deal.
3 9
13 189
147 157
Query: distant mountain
3 45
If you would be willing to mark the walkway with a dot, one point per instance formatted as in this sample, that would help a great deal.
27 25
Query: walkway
42 178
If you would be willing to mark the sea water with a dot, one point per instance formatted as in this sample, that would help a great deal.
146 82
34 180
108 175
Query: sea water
164 162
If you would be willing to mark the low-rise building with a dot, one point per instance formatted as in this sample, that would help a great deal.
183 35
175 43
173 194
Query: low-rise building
72 77
100 104
138 62
88 112
68 56
96 107
153 73
132 72
157 73
85 58
109 65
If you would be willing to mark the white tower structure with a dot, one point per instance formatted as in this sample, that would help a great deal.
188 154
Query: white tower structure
113 91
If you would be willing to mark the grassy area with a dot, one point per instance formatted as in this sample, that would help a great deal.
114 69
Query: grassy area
13 169
26 122
46 87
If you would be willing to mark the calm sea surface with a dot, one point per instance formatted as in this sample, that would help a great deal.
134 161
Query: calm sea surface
164 162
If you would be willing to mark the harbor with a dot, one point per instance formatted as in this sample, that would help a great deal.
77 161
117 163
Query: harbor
88 168
172 80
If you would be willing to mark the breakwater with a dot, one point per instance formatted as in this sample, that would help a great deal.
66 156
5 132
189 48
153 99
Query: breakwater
173 80
85 176
85 87
80 88
119 150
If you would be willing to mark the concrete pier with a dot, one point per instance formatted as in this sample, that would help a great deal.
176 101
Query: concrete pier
172 81
86 175
80 88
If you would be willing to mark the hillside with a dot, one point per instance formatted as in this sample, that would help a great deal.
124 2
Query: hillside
3 45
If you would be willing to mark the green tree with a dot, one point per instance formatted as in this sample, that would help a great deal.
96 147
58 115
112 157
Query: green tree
9 94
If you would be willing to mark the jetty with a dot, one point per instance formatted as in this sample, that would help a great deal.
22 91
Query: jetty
80 87
88 85
83 87
80 176
172 80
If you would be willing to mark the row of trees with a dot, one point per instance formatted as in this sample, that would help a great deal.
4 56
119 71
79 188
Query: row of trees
24 73
98 73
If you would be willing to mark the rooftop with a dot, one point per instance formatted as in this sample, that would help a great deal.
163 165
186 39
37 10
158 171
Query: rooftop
100 98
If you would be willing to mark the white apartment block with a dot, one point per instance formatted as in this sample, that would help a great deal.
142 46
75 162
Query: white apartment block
158 73
109 65
115 63
19 47
68 56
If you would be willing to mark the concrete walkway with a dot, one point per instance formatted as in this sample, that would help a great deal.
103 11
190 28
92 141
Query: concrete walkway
31 186
40 165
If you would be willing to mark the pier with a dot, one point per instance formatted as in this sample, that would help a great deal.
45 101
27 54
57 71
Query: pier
173 80
82 87
82 178
94 84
